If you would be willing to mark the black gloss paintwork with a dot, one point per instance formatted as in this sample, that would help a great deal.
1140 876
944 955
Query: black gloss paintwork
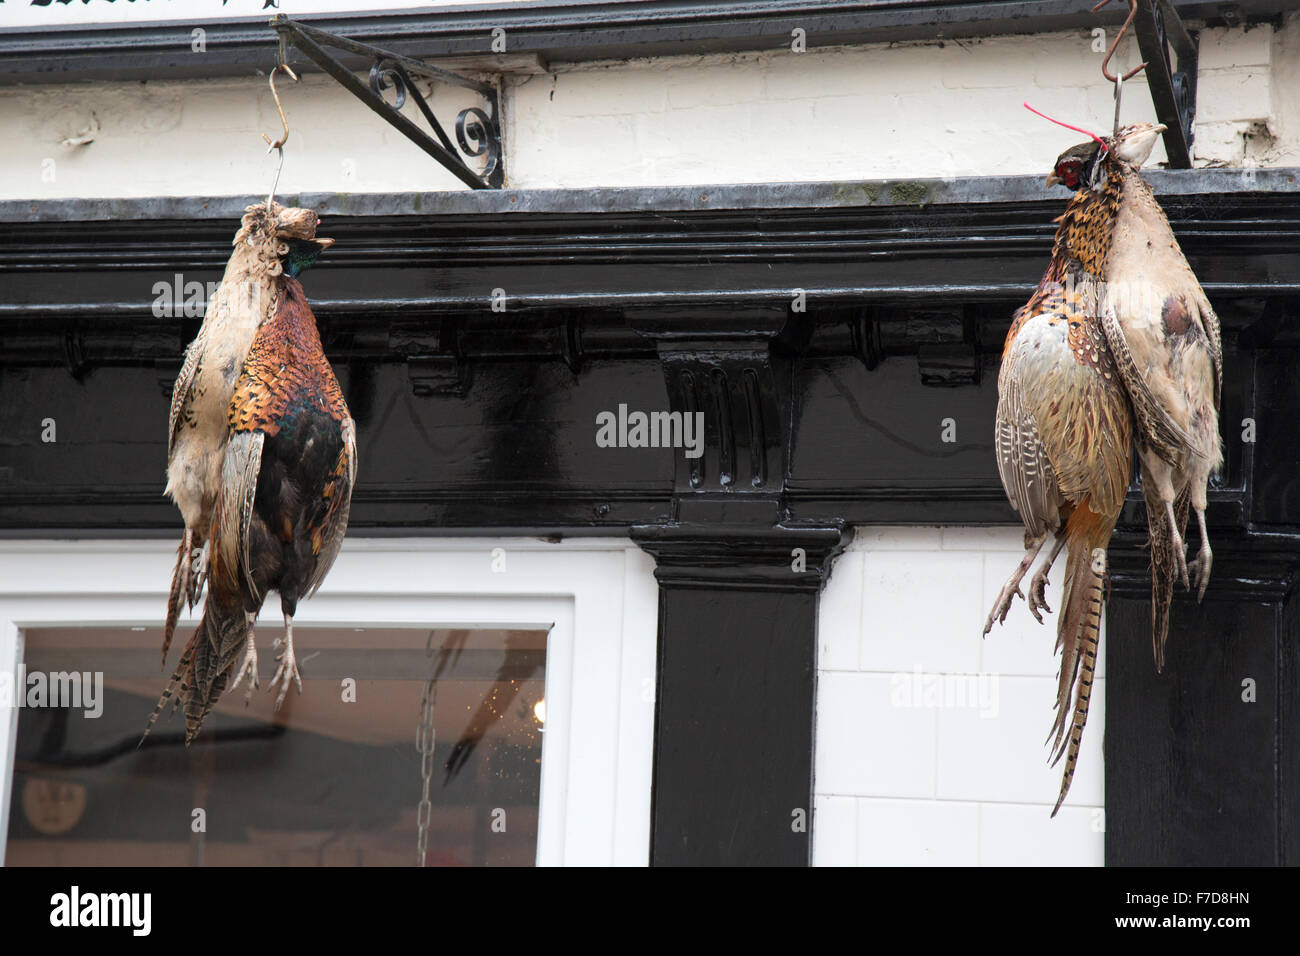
1193 776
566 31
472 421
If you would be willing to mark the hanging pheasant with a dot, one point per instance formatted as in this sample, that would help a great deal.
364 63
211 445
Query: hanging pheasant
1168 347
201 396
282 495
1065 426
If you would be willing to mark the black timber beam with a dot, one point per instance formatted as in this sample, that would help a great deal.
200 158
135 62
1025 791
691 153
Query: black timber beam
562 31
907 304
753 199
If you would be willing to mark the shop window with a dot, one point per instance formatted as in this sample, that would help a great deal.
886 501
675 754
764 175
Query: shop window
334 778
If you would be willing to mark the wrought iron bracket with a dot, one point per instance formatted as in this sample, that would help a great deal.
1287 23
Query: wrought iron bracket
1171 78
478 131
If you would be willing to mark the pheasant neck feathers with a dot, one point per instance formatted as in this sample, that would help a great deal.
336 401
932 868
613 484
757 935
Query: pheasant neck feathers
1071 287
286 370
1084 237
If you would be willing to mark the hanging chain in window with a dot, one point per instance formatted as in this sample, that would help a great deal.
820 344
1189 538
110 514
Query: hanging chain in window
424 741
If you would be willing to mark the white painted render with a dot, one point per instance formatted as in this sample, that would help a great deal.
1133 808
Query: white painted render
877 111
956 774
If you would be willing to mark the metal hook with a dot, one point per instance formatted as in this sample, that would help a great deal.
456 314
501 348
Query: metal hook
278 144
1132 12
1119 91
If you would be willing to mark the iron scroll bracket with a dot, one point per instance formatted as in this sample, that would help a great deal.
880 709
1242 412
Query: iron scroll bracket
1171 79
478 131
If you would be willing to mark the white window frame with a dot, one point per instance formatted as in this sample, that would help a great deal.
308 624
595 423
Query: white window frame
598 596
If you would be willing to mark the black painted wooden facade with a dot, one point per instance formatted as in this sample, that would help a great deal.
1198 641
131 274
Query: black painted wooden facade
817 419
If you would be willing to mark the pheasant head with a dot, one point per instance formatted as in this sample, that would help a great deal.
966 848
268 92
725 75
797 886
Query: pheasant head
302 254
1133 144
1083 165
264 241
1077 166
280 224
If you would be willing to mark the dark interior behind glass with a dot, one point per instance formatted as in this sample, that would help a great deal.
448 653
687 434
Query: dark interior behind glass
326 781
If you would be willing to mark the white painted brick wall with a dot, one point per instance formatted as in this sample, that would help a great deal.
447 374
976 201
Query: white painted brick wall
882 111
899 784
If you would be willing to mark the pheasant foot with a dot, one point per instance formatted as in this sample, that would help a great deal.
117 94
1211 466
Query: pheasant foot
1038 593
248 668
1177 544
287 672
1200 566
1038 583
198 572
1011 590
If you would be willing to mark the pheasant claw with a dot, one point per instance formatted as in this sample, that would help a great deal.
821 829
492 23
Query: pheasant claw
1038 594
287 673
249 669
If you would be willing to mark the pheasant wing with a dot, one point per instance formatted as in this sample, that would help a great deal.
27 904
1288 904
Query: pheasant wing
327 535
234 512
1158 323
1064 417
181 390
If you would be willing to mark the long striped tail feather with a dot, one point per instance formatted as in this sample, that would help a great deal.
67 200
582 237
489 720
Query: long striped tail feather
214 663
1079 633
205 667
180 591
1164 570
182 676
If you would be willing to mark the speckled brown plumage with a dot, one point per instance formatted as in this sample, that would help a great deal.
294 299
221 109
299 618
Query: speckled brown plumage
285 364
1063 437
1168 346
281 512
196 428
1079 250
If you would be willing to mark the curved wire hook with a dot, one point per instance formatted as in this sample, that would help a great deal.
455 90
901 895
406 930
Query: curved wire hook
1132 12
278 144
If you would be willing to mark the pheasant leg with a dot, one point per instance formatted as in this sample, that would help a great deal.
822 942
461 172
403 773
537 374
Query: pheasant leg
1011 589
185 566
287 672
1038 583
198 572
1201 564
249 667
1176 543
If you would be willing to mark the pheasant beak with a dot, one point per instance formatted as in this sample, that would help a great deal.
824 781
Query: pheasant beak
323 243
1052 180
